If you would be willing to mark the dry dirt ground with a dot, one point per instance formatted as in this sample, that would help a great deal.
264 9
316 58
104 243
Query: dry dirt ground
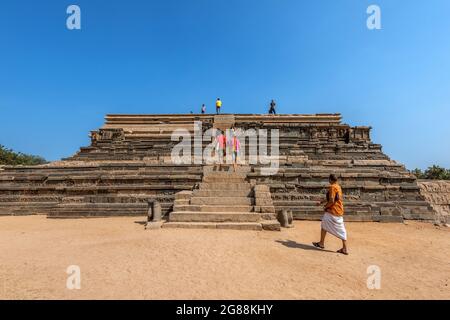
118 259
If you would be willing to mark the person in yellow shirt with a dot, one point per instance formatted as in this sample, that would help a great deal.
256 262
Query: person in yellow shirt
218 105
333 221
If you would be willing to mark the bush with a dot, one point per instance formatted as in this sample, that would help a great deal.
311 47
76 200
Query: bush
9 157
433 173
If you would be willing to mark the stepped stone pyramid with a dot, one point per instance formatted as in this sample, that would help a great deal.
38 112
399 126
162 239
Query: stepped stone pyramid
129 162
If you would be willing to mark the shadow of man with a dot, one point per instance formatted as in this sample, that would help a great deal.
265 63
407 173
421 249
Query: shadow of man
296 245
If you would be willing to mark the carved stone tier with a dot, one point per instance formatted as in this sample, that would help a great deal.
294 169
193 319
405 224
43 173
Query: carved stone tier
129 162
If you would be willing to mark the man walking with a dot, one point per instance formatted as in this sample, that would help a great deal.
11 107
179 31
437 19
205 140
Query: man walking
333 221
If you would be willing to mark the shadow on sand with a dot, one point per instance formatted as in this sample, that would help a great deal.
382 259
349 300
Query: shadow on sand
296 245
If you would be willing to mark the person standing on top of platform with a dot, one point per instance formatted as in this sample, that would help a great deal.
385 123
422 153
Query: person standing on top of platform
218 105
333 221
272 107
203 108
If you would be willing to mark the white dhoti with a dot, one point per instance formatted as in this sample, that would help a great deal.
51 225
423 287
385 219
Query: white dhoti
334 225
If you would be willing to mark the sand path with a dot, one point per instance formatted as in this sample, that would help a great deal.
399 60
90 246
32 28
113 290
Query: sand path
120 260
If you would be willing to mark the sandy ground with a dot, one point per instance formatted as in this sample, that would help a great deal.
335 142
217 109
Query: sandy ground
118 259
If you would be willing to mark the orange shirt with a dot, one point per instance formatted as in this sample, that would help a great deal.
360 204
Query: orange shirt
335 205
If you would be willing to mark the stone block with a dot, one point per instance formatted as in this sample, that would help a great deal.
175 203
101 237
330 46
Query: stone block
183 195
271 225
264 202
261 188
390 218
268 216
285 218
153 225
390 211
267 209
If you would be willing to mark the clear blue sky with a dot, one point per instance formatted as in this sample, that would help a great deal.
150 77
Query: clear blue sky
170 56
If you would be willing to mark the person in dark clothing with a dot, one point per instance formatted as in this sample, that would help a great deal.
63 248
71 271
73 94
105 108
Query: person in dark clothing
272 107
347 136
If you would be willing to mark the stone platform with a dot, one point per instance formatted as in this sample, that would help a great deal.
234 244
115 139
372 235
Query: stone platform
128 162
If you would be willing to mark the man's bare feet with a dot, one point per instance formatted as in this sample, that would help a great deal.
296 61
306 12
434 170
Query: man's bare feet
343 251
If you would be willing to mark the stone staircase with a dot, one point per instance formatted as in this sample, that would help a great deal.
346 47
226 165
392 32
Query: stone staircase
223 200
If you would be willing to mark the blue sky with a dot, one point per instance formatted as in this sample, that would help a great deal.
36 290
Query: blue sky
170 56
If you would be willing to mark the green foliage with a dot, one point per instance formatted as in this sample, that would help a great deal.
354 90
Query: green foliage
9 157
433 173
418 173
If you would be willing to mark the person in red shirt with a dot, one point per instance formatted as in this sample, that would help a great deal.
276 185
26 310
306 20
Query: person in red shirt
221 142
333 221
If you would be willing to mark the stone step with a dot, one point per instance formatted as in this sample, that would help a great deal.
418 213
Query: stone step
223 179
222 193
226 169
181 202
5 198
319 211
218 199
26 204
97 211
79 166
224 186
318 217
212 225
94 188
212 208
103 205
40 174
227 172
303 196
189 216
29 208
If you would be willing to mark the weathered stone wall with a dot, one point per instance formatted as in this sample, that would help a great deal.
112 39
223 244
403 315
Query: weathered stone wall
437 193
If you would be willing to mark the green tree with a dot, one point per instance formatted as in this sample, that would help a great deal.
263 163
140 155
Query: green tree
437 173
434 172
418 173
9 157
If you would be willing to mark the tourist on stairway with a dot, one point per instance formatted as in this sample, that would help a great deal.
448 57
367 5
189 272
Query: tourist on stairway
333 221
220 147
235 148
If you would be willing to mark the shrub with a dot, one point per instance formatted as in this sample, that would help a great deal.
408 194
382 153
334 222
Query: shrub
9 157
433 173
